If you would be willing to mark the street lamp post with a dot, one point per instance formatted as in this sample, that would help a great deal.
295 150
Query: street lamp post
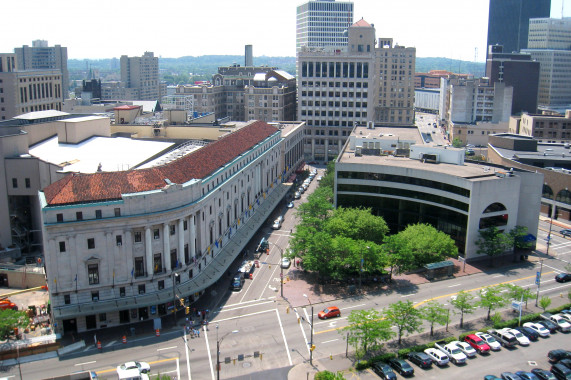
175 275
218 343
311 339
549 233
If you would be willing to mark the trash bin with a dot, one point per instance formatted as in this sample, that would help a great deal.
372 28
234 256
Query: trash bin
132 331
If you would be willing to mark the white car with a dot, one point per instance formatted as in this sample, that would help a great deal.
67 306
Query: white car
134 370
285 263
521 339
319 178
455 354
465 348
542 331
492 342
297 195
437 356
565 316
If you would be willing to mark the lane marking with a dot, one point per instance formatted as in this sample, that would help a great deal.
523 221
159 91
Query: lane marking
284 337
241 303
408 295
166 348
329 341
209 356
499 275
453 286
244 315
78 364
187 355
302 330
245 306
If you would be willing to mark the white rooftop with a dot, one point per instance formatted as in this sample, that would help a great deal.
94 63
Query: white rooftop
40 114
83 118
113 153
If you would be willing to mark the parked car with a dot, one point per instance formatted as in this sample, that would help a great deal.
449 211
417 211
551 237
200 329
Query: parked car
492 377
532 335
465 348
301 190
566 362
561 372
319 178
565 232
510 376
285 263
522 340
437 356
470 152
542 331
290 204
420 359
402 367
383 370
555 355
526 375
297 195
543 374
503 337
549 325
492 342
477 343
134 370
329 312
563 277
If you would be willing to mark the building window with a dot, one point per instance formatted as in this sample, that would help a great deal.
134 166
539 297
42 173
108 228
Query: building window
142 289
15 183
102 317
119 240
79 215
157 263
28 185
185 225
161 284
138 237
122 291
90 243
59 218
117 212
172 229
95 296
62 246
139 267
98 214
156 234
93 274
66 299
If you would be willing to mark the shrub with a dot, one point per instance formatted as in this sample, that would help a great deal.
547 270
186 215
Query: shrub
463 335
324 375
403 353
382 358
362 364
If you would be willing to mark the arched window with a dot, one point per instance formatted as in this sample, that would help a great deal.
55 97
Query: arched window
564 196
494 207
494 221
547 192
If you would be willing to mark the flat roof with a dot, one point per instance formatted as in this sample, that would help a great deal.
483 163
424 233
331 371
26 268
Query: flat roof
545 152
113 153
83 118
469 171
40 115
389 133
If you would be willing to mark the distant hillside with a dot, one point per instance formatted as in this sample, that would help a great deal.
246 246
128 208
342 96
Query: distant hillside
187 69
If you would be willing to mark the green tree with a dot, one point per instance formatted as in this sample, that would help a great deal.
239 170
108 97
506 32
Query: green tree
405 317
544 302
492 242
358 224
10 319
434 313
464 304
418 245
457 143
491 298
367 330
326 375
518 293
328 179
569 294
516 239
317 208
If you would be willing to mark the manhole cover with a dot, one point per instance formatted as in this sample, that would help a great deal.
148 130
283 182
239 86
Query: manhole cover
246 365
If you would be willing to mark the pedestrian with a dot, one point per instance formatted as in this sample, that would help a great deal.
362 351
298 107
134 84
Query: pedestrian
198 333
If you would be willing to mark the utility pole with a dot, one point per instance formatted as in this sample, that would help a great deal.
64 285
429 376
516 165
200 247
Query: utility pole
538 280
310 339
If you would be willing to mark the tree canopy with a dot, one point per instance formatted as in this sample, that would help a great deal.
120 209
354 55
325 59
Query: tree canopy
367 329
492 242
405 317
464 303
9 319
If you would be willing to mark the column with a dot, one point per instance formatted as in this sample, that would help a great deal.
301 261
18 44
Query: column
108 266
167 246
73 261
125 267
192 228
326 150
148 251
181 241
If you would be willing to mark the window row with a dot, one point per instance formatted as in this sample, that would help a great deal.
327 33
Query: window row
335 69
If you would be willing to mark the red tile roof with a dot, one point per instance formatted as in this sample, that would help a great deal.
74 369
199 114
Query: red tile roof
105 186
126 107
363 23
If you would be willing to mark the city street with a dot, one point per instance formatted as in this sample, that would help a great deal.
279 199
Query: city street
259 331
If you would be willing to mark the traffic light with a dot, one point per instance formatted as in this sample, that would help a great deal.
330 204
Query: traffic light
187 310
312 347
181 301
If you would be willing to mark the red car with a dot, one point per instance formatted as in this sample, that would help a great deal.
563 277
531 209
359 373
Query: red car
329 312
477 344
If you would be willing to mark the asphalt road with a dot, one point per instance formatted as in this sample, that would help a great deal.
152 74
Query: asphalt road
259 334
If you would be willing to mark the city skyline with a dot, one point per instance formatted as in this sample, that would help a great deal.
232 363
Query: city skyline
436 29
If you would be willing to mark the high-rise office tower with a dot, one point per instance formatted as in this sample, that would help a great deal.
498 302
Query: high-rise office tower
323 23
141 73
40 56
550 45
508 21
365 81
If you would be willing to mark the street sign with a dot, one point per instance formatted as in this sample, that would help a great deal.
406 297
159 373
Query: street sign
516 305
537 278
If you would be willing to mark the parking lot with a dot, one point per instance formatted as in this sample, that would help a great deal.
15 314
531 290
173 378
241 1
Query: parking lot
512 360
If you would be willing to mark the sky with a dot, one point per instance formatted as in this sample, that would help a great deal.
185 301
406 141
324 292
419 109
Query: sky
176 28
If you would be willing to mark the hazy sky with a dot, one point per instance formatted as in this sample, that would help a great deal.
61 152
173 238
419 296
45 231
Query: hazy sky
175 28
